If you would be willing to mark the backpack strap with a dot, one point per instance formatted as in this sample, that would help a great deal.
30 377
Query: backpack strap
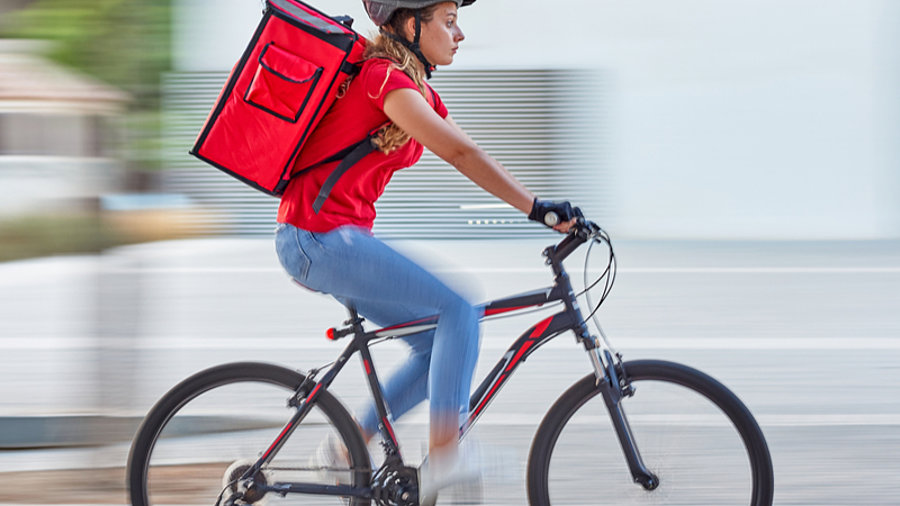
349 157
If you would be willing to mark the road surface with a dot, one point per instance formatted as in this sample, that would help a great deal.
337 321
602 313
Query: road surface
807 334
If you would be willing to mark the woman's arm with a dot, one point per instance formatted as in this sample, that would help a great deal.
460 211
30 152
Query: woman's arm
408 109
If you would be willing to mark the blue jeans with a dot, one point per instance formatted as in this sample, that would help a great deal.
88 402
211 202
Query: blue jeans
387 288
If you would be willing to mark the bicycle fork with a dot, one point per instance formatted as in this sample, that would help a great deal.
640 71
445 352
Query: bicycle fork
613 389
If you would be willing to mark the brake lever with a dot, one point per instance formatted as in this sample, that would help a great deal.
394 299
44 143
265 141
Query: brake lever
587 228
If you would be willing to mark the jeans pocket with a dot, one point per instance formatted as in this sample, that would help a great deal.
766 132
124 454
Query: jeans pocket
312 240
291 255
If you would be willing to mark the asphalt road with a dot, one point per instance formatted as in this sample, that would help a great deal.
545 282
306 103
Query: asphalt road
807 334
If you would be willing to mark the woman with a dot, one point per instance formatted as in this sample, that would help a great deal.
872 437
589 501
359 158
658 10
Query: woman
333 250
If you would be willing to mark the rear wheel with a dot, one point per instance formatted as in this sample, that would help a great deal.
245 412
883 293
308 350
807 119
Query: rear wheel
208 430
695 435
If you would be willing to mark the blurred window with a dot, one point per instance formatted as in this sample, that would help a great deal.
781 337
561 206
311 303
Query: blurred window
51 135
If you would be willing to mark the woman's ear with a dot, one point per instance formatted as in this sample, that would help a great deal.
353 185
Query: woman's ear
409 28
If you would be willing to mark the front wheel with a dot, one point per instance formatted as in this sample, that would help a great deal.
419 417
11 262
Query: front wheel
208 430
695 435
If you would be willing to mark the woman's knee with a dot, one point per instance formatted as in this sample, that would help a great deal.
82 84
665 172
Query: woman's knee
463 325
421 344
462 310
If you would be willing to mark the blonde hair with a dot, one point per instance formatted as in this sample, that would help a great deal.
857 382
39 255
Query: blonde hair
391 136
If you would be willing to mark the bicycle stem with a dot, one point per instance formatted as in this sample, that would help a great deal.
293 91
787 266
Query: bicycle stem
555 256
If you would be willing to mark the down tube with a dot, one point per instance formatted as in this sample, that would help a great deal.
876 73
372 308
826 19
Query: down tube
525 345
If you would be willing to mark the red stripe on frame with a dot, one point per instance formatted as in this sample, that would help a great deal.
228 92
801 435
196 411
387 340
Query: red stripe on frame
279 438
390 429
368 367
541 327
491 312
515 360
430 319
489 395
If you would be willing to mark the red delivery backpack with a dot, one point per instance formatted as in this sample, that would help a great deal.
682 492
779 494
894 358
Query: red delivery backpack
277 93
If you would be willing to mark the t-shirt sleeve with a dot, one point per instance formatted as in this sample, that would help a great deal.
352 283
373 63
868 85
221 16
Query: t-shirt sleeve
439 106
381 77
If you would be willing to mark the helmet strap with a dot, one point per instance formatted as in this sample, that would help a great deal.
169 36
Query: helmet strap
414 45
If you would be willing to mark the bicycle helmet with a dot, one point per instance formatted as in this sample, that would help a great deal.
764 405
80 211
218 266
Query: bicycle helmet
380 11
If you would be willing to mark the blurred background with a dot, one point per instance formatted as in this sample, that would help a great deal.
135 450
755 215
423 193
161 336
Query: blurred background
743 155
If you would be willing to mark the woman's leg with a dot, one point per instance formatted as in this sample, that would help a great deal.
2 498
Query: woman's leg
352 265
407 386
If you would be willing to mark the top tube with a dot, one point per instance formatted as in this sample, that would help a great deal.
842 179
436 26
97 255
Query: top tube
560 291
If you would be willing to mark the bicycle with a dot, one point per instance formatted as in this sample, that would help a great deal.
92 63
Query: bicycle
718 454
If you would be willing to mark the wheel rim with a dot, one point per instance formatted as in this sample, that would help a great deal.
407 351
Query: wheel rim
684 438
195 454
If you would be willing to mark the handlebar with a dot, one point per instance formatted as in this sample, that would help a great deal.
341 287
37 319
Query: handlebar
583 231
551 219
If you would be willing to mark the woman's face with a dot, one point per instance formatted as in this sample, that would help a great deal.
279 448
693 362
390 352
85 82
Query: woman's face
441 36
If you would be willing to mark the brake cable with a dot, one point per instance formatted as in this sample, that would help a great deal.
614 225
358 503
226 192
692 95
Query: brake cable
609 273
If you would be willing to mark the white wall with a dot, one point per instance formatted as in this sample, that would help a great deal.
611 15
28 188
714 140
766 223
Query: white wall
887 88
211 34
740 119
750 119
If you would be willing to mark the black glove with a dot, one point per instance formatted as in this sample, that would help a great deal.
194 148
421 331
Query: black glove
552 213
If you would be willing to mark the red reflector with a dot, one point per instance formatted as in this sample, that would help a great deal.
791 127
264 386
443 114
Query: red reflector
330 334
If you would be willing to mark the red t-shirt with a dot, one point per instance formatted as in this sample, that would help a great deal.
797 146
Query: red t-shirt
350 119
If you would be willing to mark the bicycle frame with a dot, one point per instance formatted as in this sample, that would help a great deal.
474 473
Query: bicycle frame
612 386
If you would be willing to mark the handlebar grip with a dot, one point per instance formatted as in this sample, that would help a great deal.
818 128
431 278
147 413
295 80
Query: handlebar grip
551 219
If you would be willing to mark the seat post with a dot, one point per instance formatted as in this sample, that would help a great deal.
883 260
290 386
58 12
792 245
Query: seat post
355 321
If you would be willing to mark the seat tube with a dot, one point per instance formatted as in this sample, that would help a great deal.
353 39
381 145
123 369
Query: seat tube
384 424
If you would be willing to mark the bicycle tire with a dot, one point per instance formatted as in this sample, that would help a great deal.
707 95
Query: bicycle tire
186 454
711 417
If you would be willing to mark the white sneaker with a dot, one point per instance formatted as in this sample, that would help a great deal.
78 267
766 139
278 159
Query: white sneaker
436 474
330 461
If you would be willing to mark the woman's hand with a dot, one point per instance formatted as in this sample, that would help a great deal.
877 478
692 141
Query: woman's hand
560 216
566 226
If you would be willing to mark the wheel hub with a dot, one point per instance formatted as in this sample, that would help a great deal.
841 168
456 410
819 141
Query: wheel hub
249 490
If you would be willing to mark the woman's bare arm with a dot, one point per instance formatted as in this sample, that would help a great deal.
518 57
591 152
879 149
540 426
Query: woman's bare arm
408 109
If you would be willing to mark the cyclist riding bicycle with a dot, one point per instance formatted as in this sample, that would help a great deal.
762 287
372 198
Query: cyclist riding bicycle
332 250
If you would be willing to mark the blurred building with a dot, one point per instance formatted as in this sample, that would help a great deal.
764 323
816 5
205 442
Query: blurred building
708 120
56 132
